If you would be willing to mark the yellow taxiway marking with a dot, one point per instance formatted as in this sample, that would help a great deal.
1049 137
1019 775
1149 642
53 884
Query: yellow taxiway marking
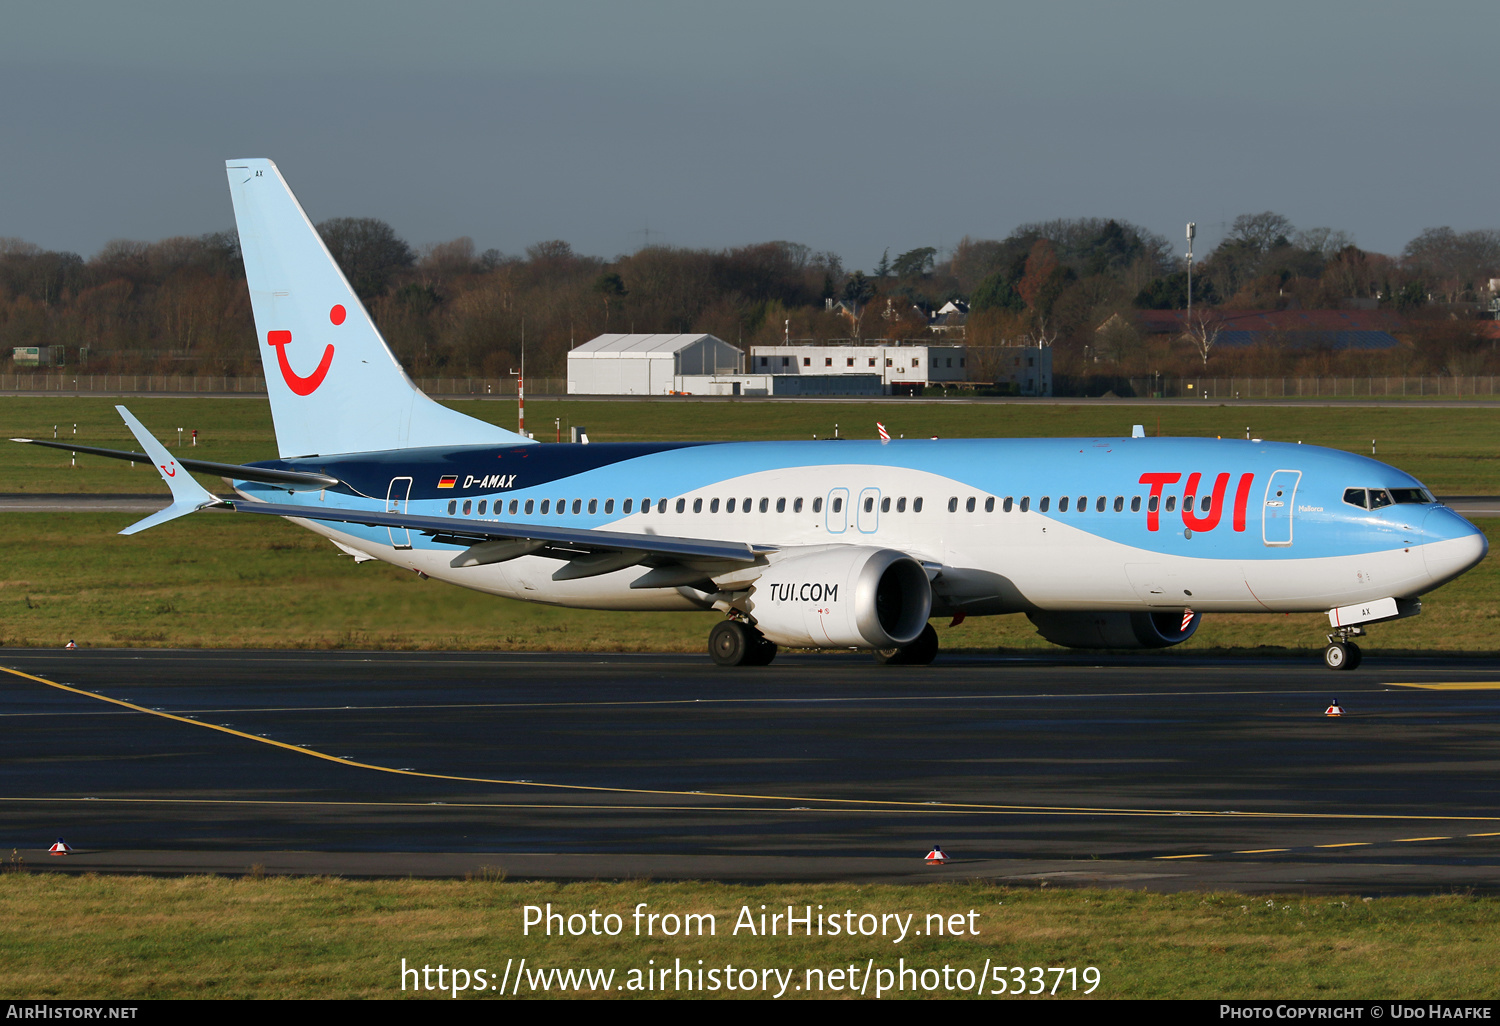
1482 835
1456 685
1204 856
1346 844
1408 840
1259 851
865 803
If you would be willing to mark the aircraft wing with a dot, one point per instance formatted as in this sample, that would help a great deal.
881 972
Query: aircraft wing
293 479
562 542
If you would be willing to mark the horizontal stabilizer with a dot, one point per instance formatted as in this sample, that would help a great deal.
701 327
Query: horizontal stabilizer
296 480
187 495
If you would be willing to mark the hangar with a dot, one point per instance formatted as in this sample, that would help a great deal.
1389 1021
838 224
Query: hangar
648 364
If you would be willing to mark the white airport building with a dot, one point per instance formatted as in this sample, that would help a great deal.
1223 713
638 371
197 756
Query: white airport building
903 367
648 364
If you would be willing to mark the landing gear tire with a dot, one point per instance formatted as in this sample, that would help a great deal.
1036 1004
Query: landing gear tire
734 643
920 652
761 651
1342 655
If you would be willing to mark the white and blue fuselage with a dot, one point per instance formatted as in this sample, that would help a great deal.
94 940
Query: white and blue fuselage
1015 525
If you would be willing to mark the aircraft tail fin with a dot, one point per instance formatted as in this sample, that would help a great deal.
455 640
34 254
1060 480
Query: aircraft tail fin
334 385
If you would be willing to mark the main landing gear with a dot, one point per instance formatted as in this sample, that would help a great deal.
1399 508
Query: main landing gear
736 643
919 653
1341 653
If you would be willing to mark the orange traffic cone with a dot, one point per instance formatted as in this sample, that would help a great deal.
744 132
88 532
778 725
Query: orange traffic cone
1334 710
60 848
936 857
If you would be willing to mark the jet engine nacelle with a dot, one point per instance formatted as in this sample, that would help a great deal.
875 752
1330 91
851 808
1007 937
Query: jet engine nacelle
1115 630
842 596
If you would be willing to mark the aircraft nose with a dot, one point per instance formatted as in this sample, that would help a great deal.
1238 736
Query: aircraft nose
1450 545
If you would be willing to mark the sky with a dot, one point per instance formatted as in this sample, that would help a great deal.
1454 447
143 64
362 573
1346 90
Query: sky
850 127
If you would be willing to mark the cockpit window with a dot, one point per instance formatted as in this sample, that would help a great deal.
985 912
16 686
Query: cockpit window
1375 498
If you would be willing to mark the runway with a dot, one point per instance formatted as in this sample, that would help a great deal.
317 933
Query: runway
1159 772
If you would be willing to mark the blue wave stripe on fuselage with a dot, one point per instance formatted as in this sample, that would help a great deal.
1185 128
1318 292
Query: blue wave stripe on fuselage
1039 467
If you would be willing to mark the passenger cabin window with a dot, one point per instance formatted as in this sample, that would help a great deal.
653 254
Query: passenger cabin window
1046 501
530 506
546 505
869 504
781 505
747 504
482 504
729 506
697 505
1062 504
1151 504
989 504
838 504
468 507
1083 504
916 504
765 504
953 504
513 503
713 505
1025 504
969 506
1119 503
609 506
1135 504
1099 506
661 505
626 508
885 504
452 506
797 505
681 505
577 506
1171 503
901 504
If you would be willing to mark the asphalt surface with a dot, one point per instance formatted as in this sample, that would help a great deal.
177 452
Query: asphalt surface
1158 772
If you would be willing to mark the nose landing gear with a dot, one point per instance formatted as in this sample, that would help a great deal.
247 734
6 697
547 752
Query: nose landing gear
1341 653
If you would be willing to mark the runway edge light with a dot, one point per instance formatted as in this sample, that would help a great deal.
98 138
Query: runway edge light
936 857
71 644
60 848
1334 710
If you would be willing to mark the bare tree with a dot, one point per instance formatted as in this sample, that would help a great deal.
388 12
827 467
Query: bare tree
1204 330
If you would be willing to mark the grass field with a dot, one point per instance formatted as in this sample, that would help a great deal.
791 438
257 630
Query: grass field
213 937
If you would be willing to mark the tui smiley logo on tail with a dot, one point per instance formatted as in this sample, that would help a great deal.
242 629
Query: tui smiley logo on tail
296 382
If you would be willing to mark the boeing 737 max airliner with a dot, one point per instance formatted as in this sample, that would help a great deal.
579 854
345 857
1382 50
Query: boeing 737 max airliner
1102 542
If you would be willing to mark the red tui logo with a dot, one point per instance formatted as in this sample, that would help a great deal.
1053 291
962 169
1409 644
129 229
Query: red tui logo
302 386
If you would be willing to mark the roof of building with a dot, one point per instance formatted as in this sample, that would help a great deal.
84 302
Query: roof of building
639 346
1336 329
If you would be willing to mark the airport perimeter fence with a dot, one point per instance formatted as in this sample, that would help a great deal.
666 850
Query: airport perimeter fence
1311 388
1065 385
221 384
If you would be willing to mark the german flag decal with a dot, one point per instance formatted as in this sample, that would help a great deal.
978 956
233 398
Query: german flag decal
448 482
